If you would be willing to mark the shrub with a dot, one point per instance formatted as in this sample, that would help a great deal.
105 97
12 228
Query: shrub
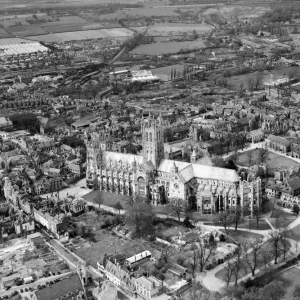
180 260
222 238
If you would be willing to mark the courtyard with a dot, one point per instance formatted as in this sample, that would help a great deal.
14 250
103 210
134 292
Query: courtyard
274 160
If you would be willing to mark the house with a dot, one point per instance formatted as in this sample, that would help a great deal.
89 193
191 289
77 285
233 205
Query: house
256 136
138 258
295 150
74 168
147 287
278 143
9 281
69 288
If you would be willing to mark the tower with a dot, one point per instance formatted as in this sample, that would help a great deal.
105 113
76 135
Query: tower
153 140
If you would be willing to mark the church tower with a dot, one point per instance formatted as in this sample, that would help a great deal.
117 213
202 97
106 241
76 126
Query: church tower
153 140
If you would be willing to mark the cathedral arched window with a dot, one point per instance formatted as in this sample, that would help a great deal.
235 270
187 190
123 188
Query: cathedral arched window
150 136
147 138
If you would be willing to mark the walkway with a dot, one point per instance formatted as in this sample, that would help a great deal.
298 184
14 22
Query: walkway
214 284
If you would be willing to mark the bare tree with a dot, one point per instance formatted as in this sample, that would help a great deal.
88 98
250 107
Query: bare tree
284 245
198 292
257 79
237 214
229 271
275 240
263 155
225 218
238 265
257 214
176 206
252 250
205 251
193 261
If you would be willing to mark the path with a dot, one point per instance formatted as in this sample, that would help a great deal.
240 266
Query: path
211 282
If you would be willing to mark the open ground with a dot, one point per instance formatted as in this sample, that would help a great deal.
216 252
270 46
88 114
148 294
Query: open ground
274 160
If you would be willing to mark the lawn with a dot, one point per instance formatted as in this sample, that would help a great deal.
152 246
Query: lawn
262 225
109 199
178 27
274 160
290 279
170 228
240 236
167 48
277 73
295 233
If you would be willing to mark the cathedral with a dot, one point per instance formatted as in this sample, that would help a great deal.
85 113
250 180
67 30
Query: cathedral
205 188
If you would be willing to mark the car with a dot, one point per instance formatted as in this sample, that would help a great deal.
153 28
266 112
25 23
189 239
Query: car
83 187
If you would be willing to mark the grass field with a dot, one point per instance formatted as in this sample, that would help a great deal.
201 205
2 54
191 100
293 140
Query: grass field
239 10
274 160
277 73
152 12
72 27
178 27
280 218
109 199
84 35
165 72
66 21
167 48
295 233
26 30
290 279
9 41
241 236
4 34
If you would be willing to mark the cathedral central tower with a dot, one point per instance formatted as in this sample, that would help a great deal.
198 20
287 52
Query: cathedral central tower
153 140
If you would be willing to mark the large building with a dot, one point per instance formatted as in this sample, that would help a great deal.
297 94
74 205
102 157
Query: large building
209 189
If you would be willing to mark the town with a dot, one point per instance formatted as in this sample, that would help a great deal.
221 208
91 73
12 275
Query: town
149 150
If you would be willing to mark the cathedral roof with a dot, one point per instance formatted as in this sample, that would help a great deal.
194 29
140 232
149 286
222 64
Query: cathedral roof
124 158
187 171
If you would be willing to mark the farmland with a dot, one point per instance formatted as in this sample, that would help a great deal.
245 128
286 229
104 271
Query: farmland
152 12
4 34
166 48
84 35
168 28
239 10
72 27
165 72
9 41
26 30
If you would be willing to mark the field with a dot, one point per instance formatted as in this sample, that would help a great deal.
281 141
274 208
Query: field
13 22
237 10
9 41
109 199
241 236
4 34
111 17
26 30
66 21
290 279
283 218
166 48
274 160
84 35
72 27
278 73
152 12
168 28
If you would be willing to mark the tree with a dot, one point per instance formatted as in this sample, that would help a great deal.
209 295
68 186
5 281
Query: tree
237 214
275 240
238 264
251 257
263 155
198 292
176 206
257 79
205 251
229 271
139 217
257 214
225 218
118 206
296 293
273 291
296 209
99 200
